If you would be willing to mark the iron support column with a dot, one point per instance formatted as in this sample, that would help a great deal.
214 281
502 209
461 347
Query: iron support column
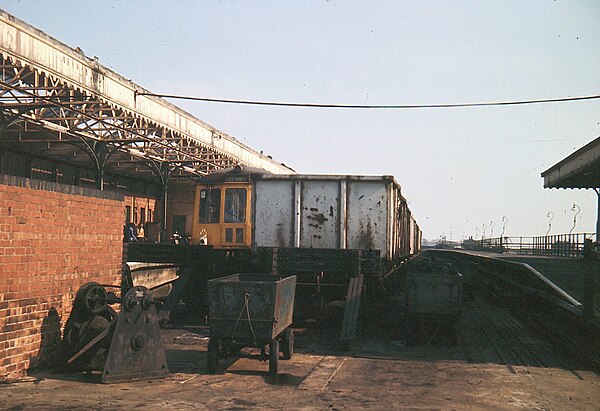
101 155
100 179
163 224
165 173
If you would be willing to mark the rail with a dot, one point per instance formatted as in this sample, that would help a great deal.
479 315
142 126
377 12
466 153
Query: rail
559 245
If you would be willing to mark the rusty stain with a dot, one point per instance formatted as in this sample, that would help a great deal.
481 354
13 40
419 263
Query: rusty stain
280 237
365 237
319 218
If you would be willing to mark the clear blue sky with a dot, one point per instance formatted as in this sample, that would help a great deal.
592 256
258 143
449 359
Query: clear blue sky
459 168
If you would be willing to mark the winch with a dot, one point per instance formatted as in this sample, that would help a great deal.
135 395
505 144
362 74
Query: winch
125 346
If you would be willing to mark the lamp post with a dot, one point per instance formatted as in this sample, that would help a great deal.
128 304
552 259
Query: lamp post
492 224
550 215
504 220
577 209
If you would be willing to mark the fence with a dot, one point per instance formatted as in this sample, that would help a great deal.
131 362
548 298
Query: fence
561 245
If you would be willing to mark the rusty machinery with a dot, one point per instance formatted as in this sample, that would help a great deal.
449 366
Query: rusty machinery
125 346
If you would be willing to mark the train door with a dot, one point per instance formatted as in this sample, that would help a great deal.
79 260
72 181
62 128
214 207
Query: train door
236 224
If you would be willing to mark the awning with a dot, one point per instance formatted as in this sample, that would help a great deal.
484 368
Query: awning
579 170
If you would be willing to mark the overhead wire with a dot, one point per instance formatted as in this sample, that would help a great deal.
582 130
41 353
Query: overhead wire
366 106
495 142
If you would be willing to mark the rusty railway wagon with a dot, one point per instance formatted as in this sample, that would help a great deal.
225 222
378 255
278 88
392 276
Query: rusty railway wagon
336 233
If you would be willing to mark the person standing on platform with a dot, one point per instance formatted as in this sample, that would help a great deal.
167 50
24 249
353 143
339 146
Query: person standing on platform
131 237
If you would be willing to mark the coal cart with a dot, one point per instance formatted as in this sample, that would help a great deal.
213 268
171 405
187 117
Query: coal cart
250 310
433 303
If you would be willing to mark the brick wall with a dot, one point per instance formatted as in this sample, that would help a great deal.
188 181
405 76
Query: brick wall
180 202
53 238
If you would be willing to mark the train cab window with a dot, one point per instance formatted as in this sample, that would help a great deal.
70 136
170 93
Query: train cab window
235 205
210 205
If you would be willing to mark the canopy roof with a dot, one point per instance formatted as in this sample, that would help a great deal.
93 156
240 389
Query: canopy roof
579 170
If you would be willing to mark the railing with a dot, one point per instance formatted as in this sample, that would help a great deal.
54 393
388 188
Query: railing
447 244
560 245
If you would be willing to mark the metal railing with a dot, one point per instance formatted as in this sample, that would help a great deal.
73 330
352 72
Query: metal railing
559 245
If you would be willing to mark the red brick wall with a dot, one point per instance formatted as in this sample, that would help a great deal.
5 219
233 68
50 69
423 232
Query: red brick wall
136 203
180 201
53 238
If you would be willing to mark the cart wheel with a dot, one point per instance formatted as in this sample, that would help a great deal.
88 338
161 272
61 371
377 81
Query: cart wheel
287 343
212 356
273 356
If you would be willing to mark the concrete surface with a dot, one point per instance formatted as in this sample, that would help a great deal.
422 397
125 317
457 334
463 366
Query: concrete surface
378 372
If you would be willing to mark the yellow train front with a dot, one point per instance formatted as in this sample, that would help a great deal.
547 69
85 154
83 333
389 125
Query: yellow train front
222 210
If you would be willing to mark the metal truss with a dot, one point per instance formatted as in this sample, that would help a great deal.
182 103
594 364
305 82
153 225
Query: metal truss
41 115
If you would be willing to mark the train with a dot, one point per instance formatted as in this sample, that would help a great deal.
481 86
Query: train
245 208
338 234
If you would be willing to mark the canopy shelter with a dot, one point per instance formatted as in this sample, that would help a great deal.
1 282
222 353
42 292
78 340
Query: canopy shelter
65 118
579 170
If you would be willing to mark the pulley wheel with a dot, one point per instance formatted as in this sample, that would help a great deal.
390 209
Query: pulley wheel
95 298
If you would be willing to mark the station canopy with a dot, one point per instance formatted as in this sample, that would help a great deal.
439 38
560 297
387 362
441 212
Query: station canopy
579 170
66 118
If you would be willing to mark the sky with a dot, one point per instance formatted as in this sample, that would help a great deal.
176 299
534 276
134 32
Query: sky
462 170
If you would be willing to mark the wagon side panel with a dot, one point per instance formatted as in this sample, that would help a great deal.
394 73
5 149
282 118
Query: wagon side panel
368 215
228 315
284 307
274 213
320 219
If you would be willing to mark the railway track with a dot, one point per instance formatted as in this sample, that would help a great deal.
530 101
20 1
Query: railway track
492 333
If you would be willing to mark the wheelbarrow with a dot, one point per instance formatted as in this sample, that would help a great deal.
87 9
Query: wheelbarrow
250 310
